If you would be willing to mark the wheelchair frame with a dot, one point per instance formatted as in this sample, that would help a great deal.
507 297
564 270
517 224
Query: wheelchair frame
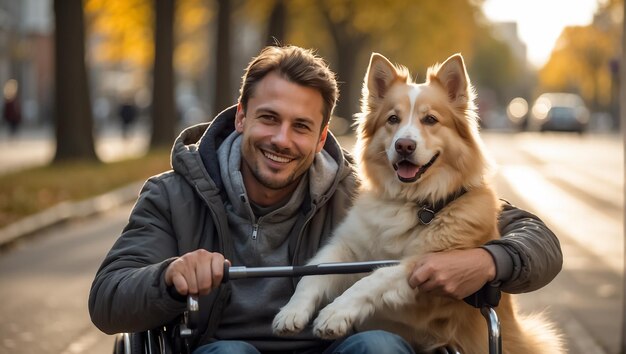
175 340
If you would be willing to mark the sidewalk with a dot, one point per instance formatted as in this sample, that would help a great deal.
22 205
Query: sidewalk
66 211
35 147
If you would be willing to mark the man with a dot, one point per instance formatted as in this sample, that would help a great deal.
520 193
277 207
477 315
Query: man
264 184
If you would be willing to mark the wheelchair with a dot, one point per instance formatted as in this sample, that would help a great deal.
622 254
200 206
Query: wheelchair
175 339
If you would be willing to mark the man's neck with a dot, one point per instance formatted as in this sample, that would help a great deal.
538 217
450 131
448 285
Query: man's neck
265 197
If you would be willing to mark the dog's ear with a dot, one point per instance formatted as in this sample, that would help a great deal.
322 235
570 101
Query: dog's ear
453 76
380 75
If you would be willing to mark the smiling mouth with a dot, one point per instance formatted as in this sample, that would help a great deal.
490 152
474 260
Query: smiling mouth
276 158
409 172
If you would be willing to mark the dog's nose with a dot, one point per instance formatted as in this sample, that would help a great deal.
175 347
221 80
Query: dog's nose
405 147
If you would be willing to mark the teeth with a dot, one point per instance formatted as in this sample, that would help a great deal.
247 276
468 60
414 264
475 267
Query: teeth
276 158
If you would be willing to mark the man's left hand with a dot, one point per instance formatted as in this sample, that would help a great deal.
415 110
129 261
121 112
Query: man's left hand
456 273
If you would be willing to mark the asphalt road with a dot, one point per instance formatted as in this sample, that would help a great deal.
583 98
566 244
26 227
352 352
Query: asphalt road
44 285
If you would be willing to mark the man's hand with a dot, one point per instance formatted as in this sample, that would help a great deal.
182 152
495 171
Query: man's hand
196 272
457 273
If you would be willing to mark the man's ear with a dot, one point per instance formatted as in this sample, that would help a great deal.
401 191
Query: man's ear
240 116
322 141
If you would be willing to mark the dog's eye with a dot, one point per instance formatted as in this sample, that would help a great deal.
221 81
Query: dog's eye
393 119
429 120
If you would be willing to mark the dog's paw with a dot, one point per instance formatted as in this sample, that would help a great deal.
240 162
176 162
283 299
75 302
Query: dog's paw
335 321
290 321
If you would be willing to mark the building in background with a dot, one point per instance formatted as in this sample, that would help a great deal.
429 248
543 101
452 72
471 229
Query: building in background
26 55
507 33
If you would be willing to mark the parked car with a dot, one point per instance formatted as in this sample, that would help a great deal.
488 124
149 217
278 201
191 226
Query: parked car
559 111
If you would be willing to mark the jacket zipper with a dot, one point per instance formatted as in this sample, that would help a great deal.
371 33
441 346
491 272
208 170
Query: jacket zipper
255 231
296 250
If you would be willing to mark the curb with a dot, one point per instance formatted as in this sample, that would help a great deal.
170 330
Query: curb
66 211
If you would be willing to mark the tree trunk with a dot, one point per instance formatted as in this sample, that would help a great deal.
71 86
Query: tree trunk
622 109
277 24
223 97
164 115
622 84
74 122
348 45
348 103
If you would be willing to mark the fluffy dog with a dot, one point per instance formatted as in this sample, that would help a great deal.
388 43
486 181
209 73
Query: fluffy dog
425 189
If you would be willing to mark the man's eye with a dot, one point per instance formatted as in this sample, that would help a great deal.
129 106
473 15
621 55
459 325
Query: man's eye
393 119
267 117
302 127
430 120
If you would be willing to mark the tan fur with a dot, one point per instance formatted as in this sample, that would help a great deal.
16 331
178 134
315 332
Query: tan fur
383 223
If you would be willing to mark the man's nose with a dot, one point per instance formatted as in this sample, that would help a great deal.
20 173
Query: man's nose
282 136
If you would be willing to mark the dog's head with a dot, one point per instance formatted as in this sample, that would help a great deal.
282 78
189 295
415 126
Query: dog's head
419 141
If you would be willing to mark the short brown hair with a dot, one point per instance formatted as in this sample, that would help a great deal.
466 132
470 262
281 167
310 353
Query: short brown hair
298 65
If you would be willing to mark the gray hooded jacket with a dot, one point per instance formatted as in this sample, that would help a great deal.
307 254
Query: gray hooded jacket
194 207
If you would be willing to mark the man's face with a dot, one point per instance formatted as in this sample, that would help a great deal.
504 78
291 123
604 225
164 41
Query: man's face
281 133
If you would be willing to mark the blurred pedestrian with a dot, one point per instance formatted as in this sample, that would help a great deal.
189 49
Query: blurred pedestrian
128 115
11 112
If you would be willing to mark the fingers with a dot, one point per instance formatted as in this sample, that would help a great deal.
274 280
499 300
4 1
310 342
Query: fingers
429 277
202 274
210 272
196 272
217 268
426 280
418 277
180 284
454 274
421 274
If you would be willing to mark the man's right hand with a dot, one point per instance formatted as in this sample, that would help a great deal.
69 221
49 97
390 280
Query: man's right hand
196 273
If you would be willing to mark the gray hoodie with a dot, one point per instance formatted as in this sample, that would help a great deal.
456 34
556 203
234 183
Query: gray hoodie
262 240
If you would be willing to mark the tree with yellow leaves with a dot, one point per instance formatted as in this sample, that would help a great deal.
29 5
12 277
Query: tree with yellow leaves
416 33
123 34
580 63
583 59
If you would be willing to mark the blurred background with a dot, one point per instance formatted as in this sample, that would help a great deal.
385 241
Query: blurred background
94 93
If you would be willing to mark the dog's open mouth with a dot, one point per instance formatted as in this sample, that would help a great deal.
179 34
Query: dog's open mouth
410 172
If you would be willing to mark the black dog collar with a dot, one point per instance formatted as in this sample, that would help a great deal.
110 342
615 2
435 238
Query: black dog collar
427 212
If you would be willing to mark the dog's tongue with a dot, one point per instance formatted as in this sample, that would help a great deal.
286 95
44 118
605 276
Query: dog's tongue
407 170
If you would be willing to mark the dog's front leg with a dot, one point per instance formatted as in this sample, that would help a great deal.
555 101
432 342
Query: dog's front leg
311 292
387 286
294 316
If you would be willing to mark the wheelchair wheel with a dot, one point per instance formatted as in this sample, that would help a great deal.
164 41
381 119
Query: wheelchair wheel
137 344
118 345
129 343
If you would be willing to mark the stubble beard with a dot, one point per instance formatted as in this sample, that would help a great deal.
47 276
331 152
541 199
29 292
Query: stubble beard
266 177
274 183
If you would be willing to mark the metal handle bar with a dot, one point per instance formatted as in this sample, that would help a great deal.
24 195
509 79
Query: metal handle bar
493 329
241 272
